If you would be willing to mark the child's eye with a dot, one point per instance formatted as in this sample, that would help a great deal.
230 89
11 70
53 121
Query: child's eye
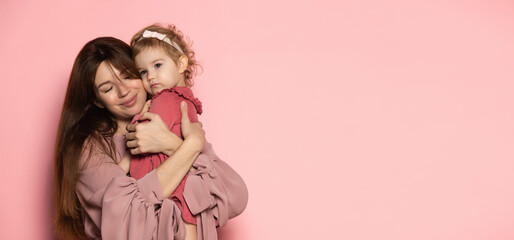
143 72
158 65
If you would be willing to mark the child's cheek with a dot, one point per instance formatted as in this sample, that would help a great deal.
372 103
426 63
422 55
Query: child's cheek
147 87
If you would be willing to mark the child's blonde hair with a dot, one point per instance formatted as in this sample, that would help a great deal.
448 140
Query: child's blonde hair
139 43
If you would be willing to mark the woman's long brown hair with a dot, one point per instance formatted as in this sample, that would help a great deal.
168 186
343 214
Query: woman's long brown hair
82 120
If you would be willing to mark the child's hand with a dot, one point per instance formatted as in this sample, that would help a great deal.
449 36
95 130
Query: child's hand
125 163
146 107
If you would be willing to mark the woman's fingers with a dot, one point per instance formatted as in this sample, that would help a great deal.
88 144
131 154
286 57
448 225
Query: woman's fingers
151 135
130 136
185 123
135 147
145 116
132 144
192 131
135 151
185 116
131 127
187 126
197 126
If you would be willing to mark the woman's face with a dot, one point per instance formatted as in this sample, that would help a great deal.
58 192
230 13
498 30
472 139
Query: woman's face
123 96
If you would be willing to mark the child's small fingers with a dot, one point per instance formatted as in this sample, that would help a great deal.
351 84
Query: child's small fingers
147 116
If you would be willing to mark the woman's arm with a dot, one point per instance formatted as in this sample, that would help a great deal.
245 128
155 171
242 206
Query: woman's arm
154 136
213 188
119 207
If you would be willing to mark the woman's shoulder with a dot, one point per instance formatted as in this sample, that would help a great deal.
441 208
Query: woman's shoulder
97 150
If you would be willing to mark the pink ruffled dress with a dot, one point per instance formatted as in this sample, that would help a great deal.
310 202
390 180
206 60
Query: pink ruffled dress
166 103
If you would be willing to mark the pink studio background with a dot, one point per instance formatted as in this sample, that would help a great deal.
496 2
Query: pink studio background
347 119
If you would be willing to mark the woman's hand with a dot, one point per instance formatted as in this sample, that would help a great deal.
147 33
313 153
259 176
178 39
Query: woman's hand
151 137
192 132
172 171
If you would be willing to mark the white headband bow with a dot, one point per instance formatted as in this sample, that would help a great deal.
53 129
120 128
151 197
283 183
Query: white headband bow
162 37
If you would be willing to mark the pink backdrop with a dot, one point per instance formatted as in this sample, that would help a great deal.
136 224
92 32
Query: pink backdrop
347 119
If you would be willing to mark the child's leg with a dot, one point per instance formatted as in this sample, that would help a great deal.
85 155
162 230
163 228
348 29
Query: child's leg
190 231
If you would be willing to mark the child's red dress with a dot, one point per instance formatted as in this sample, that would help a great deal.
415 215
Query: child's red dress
166 103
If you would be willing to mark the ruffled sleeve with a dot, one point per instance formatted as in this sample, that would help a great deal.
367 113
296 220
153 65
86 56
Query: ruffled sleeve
214 191
185 93
119 207
166 103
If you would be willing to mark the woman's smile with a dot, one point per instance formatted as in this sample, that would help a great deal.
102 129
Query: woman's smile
123 96
130 102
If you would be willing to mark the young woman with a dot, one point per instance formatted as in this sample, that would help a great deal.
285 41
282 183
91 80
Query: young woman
94 197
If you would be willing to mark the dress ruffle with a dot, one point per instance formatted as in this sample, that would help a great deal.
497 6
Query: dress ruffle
184 92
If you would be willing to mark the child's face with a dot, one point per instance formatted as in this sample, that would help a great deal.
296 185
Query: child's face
158 70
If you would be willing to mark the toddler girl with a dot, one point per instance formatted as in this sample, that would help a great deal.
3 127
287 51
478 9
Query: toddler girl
167 65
